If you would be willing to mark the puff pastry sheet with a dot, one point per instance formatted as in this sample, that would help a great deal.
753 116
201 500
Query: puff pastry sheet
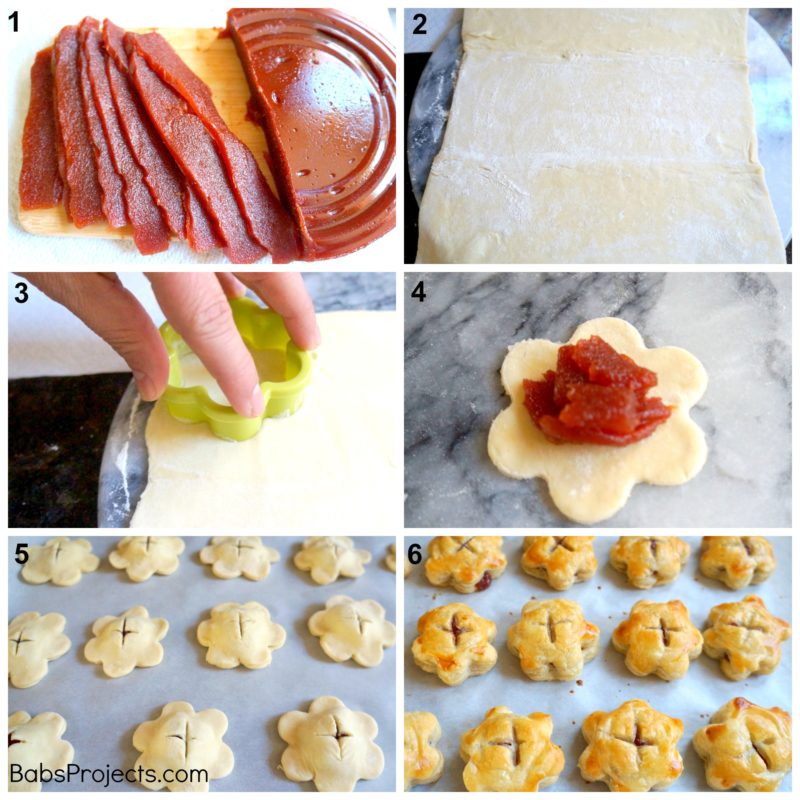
600 136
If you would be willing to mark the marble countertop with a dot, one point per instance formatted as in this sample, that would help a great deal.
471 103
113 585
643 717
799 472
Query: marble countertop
737 324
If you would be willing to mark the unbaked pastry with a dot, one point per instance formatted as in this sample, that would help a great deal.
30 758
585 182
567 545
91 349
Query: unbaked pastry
355 629
510 753
121 644
391 561
240 633
144 556
552 640
455 643
467 563
632 748
746 747
659 639
423 762
34 743
745 638
559 560
587 482
737 561
183 739
61 561
33 640
233 556
328 557
330 745
649 561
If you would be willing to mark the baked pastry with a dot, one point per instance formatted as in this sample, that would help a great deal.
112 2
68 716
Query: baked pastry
144 556
33 640
745 638
467 563
391 561
330 745
61 561
737 561
559 560
355 629
33 744
423 762
328 557
121 644
185 740
631 749
455 643
649 560
746 747
553 640
510 753
235 556
658 639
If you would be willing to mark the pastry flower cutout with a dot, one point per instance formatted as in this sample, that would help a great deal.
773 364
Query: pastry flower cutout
328 557
234 556
144 556
61 561
34 743
391 561
33 640
587 482
423 762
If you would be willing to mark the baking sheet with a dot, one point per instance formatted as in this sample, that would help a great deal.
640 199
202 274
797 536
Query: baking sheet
605 682
102 713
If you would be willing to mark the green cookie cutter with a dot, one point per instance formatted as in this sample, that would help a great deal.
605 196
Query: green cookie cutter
261 329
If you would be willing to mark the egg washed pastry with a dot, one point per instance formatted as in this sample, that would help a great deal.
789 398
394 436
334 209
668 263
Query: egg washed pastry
329 557
455 643
144 556
737 561
355 629
34 743
745 638
33 640
510 753
61 561
423 762
658 639
559 560
746 747
391 561
649 561
330 745
631 749
467 563
236 556
552 640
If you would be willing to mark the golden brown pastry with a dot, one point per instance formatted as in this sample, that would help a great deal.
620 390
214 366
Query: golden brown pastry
737 561
649 560
423 762
559 560
467 563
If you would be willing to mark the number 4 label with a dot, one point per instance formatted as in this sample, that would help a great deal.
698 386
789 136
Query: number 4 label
419 292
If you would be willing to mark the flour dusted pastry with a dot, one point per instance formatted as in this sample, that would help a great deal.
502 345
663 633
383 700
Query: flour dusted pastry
649 561
33 640
328 557
144 556
240 633
120 644
234 556
423 762
330 745
632 748
658 639
737 561
183 739
552 640
745 638
559 560
34 743
746 747
467 563
391 561
61 561
510 753
355 629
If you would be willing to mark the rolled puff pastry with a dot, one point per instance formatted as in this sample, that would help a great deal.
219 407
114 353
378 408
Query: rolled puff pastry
35 742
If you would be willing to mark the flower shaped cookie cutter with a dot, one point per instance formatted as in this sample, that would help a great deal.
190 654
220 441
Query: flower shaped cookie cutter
261 329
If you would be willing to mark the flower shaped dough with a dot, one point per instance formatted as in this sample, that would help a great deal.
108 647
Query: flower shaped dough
737 561
391 561
36 742
559 560
649 560
33 640
423 762
144 556
240 634
233 556
61 561
467 563
354 629
123 643
328 557
330 745
183 739
590 483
